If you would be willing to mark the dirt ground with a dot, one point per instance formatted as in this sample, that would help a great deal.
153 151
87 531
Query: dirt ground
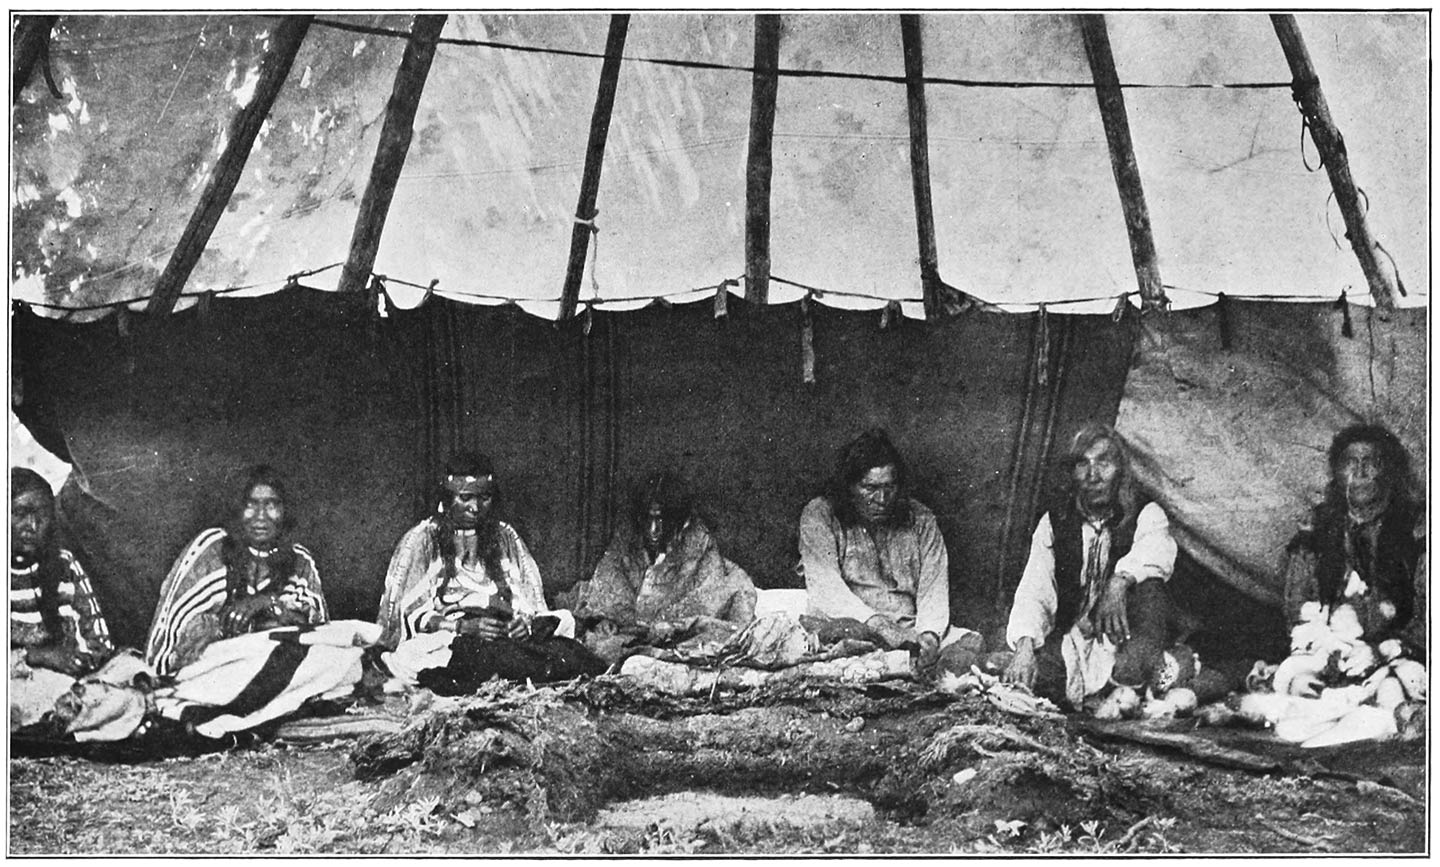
824 772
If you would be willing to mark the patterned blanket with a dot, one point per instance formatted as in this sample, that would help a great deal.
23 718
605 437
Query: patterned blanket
242 682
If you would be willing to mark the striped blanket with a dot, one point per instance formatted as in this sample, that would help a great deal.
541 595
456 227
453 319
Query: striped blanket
195 590
243 682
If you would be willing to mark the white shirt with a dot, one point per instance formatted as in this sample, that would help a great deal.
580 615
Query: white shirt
1089 659
1151 555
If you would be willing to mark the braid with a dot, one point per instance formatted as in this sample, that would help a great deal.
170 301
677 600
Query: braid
236 557
488 538
443 535
47 579
282 565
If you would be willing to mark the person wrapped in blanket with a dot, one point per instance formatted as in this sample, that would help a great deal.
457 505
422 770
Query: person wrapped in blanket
57 632
661 577
1092 624
873 558
463 599
236 580
241 634
1355 601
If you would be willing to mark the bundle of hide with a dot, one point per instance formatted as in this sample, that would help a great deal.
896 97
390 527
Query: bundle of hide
1334 687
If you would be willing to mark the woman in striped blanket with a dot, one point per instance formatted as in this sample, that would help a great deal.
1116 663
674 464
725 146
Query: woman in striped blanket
240 635
234 581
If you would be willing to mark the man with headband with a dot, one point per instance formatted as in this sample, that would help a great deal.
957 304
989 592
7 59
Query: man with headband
462 572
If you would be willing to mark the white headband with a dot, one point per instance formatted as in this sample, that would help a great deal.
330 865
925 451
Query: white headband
463 481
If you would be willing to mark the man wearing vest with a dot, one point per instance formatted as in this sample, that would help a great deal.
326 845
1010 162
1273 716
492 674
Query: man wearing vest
1091 609
1364 546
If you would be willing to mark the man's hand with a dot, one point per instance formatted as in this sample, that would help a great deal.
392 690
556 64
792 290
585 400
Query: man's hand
929 651
1021 669
65 660
1110 618
235 617
290 616
893 634
484 627
519 628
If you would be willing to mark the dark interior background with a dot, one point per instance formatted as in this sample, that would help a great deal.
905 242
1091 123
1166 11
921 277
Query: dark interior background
161 417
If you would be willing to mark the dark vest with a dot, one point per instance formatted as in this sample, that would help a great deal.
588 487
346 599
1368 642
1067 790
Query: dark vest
1065 523
1397 554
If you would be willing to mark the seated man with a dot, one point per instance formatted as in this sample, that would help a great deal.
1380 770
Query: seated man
463 573
1365 544
1092 609
872 554
660 568
229 582
57 632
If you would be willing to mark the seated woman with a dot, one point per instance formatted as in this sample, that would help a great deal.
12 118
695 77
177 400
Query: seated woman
229 582
1364 546
241 633
57 632
1355 600
660 572
463 598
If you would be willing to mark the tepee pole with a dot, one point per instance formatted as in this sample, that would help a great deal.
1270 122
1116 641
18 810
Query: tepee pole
910 38
594 159
395 137
1122 159
31 44
1332 150
244 127
760 162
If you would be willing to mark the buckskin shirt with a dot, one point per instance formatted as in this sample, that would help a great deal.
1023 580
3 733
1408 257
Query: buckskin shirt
899 571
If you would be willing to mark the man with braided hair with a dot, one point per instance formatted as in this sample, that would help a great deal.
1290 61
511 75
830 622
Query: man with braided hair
463 596
462 570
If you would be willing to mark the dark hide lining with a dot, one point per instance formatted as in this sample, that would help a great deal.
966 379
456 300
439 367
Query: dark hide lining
360 411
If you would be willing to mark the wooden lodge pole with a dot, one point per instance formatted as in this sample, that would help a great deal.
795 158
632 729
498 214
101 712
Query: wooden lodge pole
594 159
1122 159
244 127
30 43
920 162
395 137
760 162
1337 162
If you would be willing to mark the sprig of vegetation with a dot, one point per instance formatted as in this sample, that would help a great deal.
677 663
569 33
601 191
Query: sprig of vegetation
1146 835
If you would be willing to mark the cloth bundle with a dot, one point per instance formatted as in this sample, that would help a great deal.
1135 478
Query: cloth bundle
242 682
472 661
1334 687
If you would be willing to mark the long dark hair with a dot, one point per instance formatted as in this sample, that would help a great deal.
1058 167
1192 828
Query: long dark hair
1394 463
51 571
1397 551
665 488
487 537
235 554
859 456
